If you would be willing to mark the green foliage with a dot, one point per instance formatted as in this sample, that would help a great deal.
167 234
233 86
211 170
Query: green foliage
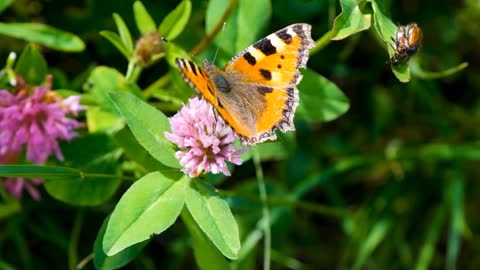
38 172
144 21
117 41
214 217
374 237
4 4
378 174
148 125
351 20
9 208
135 152
32 66
244 25
356 16
386 30
124 33
206 254
43 34
94 156
149 207
102 81
320 99
74 186
99 120
103 261
174 23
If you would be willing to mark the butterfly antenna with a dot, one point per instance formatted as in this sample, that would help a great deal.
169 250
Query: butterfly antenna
216 53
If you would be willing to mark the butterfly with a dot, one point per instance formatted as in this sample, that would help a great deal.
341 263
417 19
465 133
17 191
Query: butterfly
256 92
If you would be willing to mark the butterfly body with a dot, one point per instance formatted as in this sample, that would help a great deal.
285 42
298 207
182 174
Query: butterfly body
256 92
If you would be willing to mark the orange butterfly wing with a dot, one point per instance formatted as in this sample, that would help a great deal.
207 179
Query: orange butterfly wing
272 64
199 80
257 90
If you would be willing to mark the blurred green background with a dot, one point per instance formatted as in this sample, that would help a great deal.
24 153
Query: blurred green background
393 183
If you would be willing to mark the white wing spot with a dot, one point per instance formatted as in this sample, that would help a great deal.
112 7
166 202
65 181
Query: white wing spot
291 32
277 42
256 53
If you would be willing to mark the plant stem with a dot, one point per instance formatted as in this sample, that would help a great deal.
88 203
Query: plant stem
84 261
321 42
130 68
133 72
209 37
161 82
266 214
72 247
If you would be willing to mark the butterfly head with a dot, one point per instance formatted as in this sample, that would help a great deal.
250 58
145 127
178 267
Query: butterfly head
218 77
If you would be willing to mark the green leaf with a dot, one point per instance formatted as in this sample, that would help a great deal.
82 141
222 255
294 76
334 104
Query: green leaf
457 218
136 152
267 151
206 254
95 157
144 21
150 206
402 72
43 34
351 20
116 41
102 261
386 29
243 26
438 151
69 185
148 125
320 99
9 208
22 171
124 33
372 240
5 4
104 80
5 266
102 121
174 23
435 227
169 102
173 51
214 217
418 71
32 66
183 91
65 93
